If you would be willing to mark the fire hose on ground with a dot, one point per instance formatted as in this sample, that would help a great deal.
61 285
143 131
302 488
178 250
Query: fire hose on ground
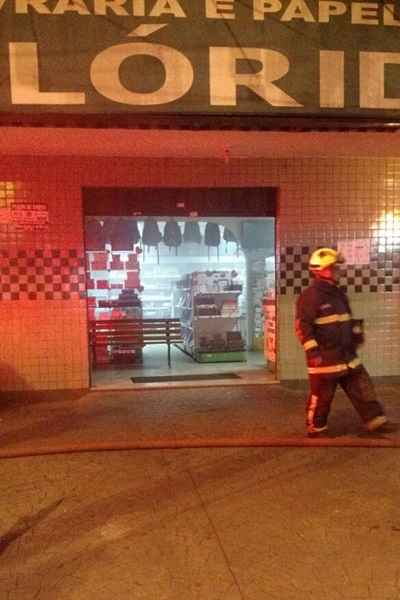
363 441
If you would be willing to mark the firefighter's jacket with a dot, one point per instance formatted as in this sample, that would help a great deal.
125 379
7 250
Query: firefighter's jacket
327 330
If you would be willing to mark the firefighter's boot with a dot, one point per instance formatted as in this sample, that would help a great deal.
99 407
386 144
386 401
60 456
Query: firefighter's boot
317 432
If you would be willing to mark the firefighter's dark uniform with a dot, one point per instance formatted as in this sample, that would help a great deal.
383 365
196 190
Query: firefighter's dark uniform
329 335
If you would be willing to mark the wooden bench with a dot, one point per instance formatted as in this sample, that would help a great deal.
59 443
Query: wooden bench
134 334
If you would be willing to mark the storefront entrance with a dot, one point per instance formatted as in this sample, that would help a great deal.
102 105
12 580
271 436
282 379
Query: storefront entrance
181 286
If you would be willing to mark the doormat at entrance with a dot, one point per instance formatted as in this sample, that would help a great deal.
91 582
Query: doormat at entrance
204 377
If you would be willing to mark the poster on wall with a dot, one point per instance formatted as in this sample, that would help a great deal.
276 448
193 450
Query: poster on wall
356 252
188 57
28 216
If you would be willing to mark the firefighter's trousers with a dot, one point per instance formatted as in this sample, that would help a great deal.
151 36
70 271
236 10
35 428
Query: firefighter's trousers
357 385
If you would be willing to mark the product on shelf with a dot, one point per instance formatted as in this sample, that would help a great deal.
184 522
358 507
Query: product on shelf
99 261
132 262
172 235
234 341
212 234
124 234
229 308
114 296
132 280
210 316
128 298
151 236
116 263
95 235
124 355
192 233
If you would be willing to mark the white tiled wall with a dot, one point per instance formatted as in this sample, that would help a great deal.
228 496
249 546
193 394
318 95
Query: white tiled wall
321 201
324 202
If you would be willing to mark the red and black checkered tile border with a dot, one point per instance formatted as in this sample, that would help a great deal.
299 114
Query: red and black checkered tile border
382 274
42 275
54 274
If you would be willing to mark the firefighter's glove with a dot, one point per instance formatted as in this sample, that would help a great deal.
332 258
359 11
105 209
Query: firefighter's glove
314 358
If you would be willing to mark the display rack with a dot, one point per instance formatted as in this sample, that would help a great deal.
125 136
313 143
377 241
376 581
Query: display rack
208 308
113 286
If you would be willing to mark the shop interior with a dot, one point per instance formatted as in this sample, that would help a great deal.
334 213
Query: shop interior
216 275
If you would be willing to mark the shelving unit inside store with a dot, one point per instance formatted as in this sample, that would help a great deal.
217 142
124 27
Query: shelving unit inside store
207 304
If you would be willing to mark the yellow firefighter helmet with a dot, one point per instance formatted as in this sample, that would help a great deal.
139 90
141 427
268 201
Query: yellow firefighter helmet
323 258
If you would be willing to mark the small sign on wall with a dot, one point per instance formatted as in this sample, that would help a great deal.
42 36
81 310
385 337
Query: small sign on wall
29 216
356 252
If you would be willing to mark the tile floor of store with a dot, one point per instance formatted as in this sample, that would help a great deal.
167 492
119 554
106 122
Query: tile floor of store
155 364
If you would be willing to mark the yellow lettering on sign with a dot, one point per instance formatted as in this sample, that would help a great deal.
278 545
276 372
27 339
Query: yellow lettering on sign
224 79
372 79
331 78
105 74
389 18
64 6
298 9
22 6
219 9
261 7
138 9
364 13
328 9
24 79
167 7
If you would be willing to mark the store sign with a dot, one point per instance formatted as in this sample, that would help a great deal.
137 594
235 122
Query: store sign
275 57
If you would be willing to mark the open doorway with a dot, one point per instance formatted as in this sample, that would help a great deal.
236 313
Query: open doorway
214 274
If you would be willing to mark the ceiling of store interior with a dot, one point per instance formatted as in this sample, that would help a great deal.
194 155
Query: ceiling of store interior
223 145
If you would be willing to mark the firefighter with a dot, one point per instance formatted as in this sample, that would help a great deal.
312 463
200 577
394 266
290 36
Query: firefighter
330 336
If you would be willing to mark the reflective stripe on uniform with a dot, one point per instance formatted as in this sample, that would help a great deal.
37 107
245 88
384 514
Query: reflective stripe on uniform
311 410
333 319
329 369
310 344
356 362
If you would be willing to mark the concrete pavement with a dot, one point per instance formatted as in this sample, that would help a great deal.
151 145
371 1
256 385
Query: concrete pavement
236 523
168 418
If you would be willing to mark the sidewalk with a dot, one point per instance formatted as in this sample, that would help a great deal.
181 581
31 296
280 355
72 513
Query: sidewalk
271 415
219 523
